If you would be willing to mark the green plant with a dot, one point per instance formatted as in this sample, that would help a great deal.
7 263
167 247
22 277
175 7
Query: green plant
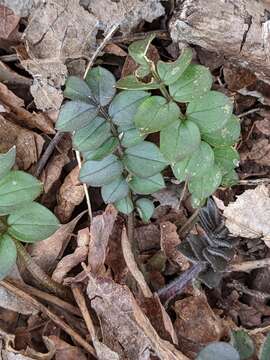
21 219
241 347
196 126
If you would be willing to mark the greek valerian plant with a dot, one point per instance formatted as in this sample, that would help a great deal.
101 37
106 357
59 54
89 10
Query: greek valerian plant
196 126
21 219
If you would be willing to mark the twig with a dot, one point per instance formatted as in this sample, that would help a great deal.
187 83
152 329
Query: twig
52 299
259 330
245 290
160 34
249 112
47 153
90 64
42 278
249 265
188 224
254 182
58 321
80 300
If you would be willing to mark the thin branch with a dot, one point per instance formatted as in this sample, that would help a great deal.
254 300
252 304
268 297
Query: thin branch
57 320
189 224
254 182
252 111
249 265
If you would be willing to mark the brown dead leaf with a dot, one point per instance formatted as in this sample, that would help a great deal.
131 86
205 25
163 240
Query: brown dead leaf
263 126
65 351
260 152
8 23
46 252
120 315
115 50
100 230
53 171
28 143
168 241
70 195
22 116
11 77
147 237
196 320
132 265
70 261
238 78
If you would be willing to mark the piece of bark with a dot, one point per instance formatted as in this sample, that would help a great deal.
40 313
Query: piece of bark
238 30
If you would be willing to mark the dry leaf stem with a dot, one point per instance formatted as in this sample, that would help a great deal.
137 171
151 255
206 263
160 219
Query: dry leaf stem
57 320
249 265
38 274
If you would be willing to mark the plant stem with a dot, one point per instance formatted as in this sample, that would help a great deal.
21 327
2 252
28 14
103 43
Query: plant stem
38 274
163 89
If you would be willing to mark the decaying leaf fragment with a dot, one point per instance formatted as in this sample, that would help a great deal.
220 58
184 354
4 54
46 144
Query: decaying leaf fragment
248 216
120 315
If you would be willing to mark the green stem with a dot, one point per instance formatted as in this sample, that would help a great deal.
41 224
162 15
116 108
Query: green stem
163 88
38 274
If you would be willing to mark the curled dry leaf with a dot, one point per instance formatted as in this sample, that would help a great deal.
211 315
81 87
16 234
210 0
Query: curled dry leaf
28 143
115 50
11 77
248 216
147 237
169 240
53 171
196 320
9 21
264 125
65 351
70 195
260 152
46 252
119 314
78 256
22 116
100 230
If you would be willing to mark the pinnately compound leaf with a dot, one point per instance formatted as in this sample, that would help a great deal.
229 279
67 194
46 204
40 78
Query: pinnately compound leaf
130 82
218 351
7 160
226 136
155 113
102 172
107 148
114 191
16 189
75 115
230 179
144 159
146 186
125 105
32 222
194 82
8 255
227 158
131 137
145 209
169 72
199 163
102 84
210 112
179 140
125 205
77 89
92 136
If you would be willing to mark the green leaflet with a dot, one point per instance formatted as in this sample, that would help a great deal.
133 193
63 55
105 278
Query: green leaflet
230 179
265 349
144 159
243 343
107 148
227 158
145 209
169 72
77 89
32 222
114 191
205 185
125 105
138 49
92 136
125 205
16 189
146 186
194 82
7 160
179 140
210 112
102 84
75 115
102 172
130 82
8 255
131 137
155 113
200 162
218 351
226 136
